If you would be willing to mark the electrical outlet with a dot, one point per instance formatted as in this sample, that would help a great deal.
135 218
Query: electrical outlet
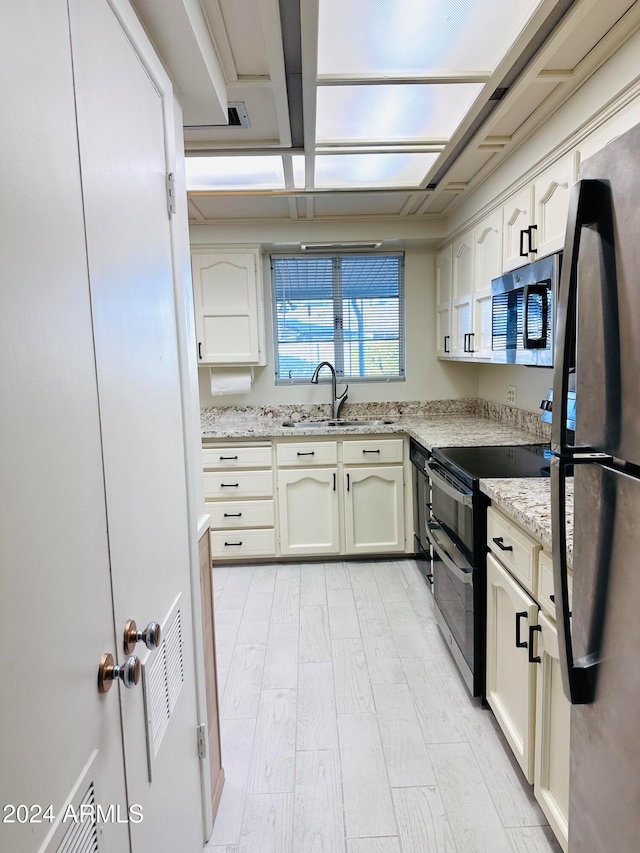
512 392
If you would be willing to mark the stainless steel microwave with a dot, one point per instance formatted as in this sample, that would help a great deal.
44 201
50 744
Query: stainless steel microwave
523 313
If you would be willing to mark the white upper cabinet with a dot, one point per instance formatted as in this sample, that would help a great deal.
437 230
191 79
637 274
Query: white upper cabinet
462 292
551 192
227 294
444 271
487 238
518 218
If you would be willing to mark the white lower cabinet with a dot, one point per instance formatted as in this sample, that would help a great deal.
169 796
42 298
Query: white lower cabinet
551 780
374 509
309 514
511 678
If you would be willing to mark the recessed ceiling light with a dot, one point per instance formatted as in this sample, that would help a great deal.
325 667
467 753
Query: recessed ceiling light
234 173
336 171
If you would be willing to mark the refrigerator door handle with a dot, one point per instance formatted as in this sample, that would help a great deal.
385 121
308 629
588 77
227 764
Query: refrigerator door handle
589 205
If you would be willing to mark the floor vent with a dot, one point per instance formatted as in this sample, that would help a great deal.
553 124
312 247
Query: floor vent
82 837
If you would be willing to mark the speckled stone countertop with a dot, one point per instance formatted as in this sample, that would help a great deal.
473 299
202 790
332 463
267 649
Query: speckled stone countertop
431 430
528 502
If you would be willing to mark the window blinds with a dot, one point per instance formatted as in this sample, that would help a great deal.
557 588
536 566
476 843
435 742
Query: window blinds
347 309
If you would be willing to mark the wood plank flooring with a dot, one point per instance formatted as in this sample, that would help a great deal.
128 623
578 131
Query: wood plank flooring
346 727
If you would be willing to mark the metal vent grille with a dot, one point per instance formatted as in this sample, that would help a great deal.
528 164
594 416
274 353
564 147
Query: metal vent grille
238 117
163 680
82 837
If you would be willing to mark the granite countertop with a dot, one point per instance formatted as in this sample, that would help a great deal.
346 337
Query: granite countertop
528 502
438 430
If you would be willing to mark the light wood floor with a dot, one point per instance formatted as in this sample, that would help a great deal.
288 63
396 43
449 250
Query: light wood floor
346 727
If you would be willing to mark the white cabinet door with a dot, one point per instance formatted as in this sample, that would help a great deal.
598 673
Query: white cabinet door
462 289
308 503
551 193
374 509
443 300
517 217
553 714
511 678
487 239
227 306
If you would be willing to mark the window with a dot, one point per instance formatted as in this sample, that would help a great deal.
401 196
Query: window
347 309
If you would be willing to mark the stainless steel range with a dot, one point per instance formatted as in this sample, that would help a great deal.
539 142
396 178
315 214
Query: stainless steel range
457 531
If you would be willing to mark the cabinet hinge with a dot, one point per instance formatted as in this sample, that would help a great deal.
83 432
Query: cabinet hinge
202 740
172 203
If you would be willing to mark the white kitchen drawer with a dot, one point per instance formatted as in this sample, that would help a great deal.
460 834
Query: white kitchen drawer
545 584
515 550
236 457
238 484
373 451
308 453
240 544
233 514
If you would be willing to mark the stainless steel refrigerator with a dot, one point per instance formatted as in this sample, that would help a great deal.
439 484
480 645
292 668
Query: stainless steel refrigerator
598 332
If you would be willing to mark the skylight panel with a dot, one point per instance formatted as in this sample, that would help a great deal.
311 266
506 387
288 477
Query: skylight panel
417 37
234 173
298 171
392 113
335 171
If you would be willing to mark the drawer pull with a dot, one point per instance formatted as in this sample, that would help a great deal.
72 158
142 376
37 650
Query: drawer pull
232 515
371 451
334 482
348 484
232 544
499 540
225 458
308 453
533 658
520 643
229 485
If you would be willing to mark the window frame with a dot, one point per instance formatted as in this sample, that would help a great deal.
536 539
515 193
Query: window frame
338 338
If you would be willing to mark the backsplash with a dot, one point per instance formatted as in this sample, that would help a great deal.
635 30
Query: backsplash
416 408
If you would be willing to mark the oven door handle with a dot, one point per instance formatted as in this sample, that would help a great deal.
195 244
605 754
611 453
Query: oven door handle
439 541
461 497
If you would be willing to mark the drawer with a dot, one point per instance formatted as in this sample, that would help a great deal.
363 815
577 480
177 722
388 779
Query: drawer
240 544
515 550
231 514
236 457
308 453
545 584
238 484
373 452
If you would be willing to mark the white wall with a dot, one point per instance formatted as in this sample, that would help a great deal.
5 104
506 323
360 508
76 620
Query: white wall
532 384
426 377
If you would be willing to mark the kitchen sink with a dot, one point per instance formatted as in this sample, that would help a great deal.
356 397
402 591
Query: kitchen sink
338 423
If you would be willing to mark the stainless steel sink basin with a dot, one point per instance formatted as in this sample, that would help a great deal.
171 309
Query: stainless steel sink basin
339 423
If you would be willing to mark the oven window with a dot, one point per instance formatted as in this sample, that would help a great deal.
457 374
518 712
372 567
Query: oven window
456 518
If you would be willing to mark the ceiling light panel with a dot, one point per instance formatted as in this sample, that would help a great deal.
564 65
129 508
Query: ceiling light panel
403 38
298 171
392 113
234 173
336 171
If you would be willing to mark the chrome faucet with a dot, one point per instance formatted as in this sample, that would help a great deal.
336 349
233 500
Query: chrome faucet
336 402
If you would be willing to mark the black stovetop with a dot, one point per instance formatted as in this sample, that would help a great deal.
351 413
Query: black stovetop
471 464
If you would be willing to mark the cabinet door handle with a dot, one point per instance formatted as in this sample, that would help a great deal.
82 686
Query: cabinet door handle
232 515
446 348
229 485
309 453
533 658
530 231
524 231
232 544
371 451
471 345
199 350
499 540
334 482
224 458
348 484
520 643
